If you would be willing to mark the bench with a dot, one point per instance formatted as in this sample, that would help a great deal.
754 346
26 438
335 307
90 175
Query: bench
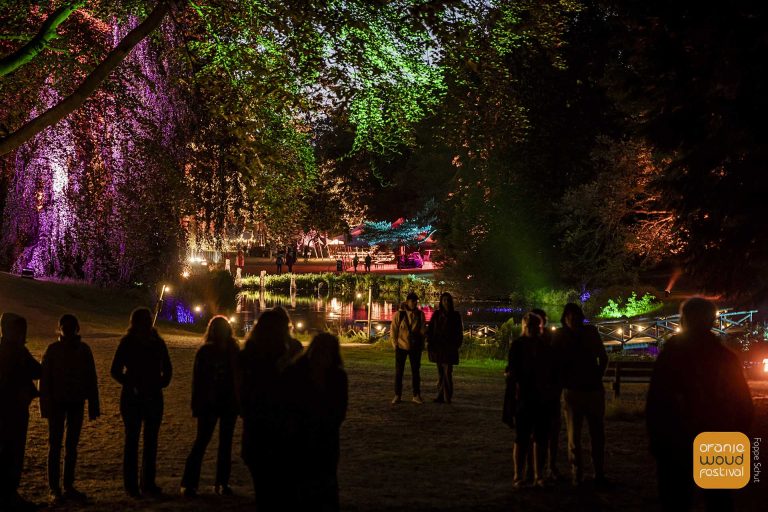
628 371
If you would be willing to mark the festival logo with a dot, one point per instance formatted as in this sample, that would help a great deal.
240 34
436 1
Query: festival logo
721 460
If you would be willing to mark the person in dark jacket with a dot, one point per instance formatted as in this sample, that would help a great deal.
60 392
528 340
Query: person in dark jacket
444 336
18 371
697 386
583 362
530 386
68 380
293 346
214 399
316 401
555 405
262 362
143 367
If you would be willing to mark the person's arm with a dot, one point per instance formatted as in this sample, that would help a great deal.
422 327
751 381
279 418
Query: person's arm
602 355
167 368
45 382
460 332
395 329
117 371
197 383
94 405
34 369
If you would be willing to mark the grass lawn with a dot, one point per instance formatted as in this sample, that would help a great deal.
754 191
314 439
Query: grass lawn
411 457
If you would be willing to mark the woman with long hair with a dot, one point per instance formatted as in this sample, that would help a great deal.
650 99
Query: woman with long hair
444 337
214 399
143 367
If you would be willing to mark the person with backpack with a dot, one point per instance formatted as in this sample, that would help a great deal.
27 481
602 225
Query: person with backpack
444 336
68 380
408 330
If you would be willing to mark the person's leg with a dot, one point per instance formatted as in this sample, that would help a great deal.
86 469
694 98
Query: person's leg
448 382
224 458
74 427
55 437
153 417
132 423
541 441
400 357
574 418
554 437
522 446
596 422
719 500
440 383
674 481
205 426
415 358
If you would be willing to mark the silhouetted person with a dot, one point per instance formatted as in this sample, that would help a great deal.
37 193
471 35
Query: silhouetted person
290 259
261 363
355 261
18 370
240 261
530 387
142 366
316 401
68 380
292 345
697 386
444 336
279 263
583 362
554 405
368 260
408 330
214 399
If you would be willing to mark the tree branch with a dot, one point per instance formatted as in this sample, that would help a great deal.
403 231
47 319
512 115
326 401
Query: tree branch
37 44
89 85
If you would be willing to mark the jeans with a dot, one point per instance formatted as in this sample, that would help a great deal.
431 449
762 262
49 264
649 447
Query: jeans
137 411
205 426
71 414
415 357
589 405
445 382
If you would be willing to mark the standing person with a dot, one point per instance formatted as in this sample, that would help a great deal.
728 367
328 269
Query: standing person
530 376
293 346
583 363
142 366
355 261
279 263
697 386
368 260
240 261
444 336
68 380
18 371
554 405
261 363
290 259
214 399
408 329
317 398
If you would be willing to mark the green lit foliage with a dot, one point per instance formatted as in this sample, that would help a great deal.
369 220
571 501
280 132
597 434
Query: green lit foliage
631 307
406 233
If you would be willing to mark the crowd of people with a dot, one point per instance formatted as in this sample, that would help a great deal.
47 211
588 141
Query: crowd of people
293 401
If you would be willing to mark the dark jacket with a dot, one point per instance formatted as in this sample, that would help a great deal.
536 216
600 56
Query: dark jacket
582 358
214 389
69 375
697 386
142 365
444 337
18 370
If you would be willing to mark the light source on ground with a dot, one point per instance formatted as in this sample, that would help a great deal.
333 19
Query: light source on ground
677 329
620 330
198 309
553 328
232 319
299 325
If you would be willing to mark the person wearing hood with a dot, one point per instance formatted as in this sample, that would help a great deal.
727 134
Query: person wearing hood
68 380
142 366
18 371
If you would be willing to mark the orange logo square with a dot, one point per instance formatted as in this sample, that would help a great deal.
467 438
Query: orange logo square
721 460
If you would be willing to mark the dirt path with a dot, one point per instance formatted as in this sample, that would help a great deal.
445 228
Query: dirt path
427 457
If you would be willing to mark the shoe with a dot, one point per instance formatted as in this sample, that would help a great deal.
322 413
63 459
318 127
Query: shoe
223 490
75 495
521 484
396 400
540 483
55 497
188 492
554 475
417 399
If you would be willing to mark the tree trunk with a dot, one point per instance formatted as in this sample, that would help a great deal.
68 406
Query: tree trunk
37 44
89 85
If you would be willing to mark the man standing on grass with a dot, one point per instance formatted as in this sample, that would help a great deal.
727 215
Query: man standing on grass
697 386
408 330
